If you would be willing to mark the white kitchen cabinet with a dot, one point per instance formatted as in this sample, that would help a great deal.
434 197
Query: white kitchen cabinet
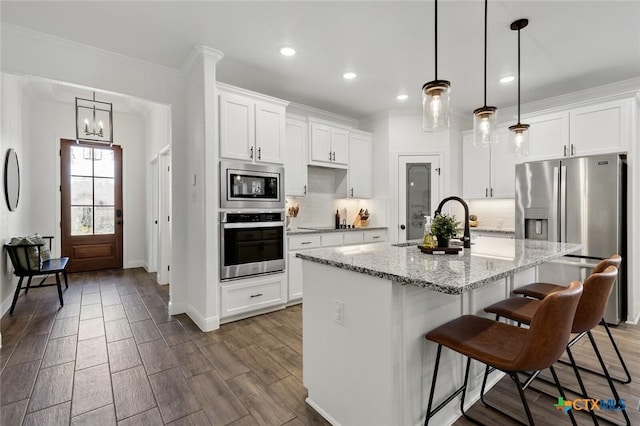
295 162
329 145
252 126
600 129
360 172
488 172
548 136
241 297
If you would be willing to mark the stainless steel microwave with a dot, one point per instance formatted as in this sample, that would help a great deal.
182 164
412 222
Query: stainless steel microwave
244 185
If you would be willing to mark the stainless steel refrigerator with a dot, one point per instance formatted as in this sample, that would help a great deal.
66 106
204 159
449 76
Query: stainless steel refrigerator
577 200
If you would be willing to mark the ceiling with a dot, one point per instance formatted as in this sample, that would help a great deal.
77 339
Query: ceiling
568 45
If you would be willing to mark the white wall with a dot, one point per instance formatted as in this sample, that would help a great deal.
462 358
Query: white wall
12 135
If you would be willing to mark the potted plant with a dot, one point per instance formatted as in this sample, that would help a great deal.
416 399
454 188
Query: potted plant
444 227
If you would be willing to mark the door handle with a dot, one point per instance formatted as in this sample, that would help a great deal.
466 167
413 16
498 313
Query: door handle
251 153
402 227
259 153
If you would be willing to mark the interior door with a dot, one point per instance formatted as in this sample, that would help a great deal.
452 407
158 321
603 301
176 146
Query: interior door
91 203
418 193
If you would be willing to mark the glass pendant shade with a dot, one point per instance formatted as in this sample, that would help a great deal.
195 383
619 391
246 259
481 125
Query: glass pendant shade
519 137
485 126
435 106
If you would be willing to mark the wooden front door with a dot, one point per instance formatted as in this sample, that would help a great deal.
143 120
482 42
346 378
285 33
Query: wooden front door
91 177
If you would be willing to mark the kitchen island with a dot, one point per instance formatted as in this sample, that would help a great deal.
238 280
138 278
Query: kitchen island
367 308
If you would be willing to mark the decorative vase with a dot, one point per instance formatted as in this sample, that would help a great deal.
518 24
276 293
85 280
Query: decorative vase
443 242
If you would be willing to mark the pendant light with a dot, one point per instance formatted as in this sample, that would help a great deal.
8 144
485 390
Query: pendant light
484 118
435 96
519 135
94 120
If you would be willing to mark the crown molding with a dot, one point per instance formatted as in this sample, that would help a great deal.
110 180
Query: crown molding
306 110
198 54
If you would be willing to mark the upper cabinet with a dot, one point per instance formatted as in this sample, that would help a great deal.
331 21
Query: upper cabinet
252 126
360 165
295 163
488 172
587 130
329 144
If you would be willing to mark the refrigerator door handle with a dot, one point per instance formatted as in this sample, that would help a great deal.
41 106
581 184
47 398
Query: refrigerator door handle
563 204
554 232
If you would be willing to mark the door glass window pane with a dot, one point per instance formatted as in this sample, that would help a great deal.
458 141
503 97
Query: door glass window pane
81 161
104 191
81 220
104 220
81 190
418 198
103 162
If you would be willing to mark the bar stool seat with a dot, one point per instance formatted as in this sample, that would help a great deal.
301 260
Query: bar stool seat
508 348
597 288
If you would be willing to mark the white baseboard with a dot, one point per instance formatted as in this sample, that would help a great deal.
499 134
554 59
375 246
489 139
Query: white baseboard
6 303
633 321
176 308
320 411
205 324
134 264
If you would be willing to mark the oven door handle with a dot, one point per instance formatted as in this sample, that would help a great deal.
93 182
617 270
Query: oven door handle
234 225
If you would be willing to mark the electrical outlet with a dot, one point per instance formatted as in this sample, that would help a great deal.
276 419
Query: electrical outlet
338 312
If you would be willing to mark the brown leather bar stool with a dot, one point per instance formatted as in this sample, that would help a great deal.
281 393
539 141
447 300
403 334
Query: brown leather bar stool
509 348
596 290
541 290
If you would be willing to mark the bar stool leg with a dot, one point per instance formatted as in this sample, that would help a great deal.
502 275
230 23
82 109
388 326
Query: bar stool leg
606 373
561 391
59 289
580 383
615 347
464 391
433 385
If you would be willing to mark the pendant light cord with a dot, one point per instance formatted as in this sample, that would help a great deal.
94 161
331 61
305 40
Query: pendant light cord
518 75
436 37
485 52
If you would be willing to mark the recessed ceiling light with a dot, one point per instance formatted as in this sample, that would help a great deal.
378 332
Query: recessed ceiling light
402 97
507 79
288 51
349 75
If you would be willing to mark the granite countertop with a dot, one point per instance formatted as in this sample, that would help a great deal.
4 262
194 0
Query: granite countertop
319 230
488 260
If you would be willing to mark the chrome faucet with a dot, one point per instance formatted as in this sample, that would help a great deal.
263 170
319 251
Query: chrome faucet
466 239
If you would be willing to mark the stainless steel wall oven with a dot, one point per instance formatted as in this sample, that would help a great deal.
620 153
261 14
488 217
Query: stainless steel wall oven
244 185
251 243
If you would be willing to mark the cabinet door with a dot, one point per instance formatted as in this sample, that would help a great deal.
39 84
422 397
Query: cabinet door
599 129
475 169
503 167
295 160
237 129
360 166
549 136
321 143
270 133
340 146
295 277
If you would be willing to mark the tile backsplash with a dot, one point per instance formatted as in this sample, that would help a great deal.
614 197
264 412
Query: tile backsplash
492 214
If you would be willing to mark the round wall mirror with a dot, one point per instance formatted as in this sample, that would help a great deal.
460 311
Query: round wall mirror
11 179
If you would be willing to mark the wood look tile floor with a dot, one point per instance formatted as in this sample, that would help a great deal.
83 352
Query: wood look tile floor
113 355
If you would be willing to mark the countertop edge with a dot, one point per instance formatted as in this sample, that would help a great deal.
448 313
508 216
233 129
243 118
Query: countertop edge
433 286
327 231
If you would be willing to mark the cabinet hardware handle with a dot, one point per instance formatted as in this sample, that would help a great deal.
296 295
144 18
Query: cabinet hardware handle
329 155
334 156
305 242
486 192
251 153
305 190
491 192
256 295
375 237
352 192
572 152
565 150
259 153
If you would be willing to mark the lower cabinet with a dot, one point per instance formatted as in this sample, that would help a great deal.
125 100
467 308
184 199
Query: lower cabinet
299 243
250 295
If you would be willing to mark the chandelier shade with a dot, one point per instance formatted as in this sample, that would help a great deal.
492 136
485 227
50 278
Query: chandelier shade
485 121
435 95
94 120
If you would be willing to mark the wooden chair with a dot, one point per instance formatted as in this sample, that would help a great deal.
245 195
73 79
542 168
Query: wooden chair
509 348
24 266
596 290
